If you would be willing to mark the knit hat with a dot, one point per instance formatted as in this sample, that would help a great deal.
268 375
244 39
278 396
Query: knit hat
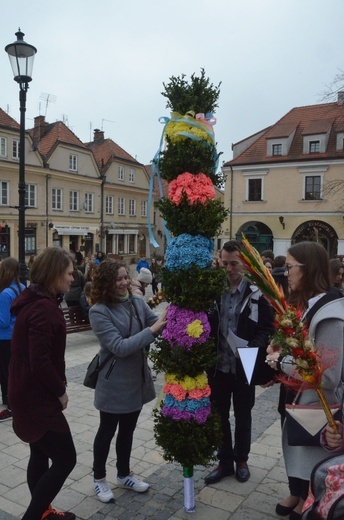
145 275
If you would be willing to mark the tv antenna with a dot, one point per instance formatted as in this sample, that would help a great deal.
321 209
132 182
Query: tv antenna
108 120
48 98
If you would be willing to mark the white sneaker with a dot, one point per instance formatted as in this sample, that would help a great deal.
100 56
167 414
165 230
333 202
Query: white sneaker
132 482
103 491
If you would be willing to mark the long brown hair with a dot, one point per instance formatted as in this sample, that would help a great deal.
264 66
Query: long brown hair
104 279
315 271
49 266
9 272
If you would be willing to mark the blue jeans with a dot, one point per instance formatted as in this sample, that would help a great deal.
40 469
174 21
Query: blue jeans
225 390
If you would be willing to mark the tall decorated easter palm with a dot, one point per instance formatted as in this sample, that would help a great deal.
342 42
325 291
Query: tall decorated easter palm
186 427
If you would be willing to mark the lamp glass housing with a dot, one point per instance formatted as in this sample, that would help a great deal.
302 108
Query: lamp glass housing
21 56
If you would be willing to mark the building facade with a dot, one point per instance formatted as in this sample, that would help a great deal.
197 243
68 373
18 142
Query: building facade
82 196
286 183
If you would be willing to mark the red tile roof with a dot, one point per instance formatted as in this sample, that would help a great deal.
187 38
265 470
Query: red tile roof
106 150
55 133
8 121
312 119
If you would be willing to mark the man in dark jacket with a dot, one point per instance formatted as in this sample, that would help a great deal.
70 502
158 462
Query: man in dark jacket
244 311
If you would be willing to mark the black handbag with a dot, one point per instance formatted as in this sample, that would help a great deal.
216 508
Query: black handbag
95 367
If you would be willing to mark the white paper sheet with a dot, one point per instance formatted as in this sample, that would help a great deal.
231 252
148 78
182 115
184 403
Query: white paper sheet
235 342
248 358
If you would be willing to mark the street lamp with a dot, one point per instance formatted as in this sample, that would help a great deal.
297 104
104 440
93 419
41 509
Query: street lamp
21 55
102 248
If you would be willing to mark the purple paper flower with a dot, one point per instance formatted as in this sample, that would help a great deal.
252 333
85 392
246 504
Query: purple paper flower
176 414
185 327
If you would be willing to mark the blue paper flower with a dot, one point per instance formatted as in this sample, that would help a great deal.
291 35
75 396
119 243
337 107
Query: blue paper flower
185 250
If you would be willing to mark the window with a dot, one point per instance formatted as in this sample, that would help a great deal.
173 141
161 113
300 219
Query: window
132 207
3 147
313 187
15 149
314 146
89 202
254 189
57 199
121 173
73 163
31 196
143 208
276 149
121 206
109 205
132 175
131 243
74 201
4 187
30 241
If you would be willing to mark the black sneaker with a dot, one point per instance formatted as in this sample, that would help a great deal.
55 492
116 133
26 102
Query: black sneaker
5 415
52 514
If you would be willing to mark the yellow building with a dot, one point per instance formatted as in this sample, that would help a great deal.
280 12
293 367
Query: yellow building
85 197
286 183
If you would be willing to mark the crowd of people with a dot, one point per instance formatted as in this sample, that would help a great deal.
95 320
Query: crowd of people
32 365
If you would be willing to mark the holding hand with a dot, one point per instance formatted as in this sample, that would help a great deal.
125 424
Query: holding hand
273 354
334 439
159 325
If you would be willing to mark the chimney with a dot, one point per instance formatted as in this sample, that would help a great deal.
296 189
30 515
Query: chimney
340 100
98 136
39 128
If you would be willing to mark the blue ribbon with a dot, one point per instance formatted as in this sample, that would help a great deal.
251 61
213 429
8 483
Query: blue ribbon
155 169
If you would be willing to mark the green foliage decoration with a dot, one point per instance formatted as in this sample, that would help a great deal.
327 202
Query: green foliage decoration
195 288
176 360
188 443
194 219
198 95
190 156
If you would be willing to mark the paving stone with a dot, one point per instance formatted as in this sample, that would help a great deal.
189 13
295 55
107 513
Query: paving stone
226 500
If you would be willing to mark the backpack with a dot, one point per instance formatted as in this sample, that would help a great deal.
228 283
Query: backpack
325 499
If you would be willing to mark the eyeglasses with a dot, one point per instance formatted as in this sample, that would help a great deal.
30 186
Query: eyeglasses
290 266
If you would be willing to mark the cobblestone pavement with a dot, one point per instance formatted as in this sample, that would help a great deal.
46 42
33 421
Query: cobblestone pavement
228 499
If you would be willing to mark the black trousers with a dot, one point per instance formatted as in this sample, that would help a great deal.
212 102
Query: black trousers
154 286
45 482
5 356
108 424
225 390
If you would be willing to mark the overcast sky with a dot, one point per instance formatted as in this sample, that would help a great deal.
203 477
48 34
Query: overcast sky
103 62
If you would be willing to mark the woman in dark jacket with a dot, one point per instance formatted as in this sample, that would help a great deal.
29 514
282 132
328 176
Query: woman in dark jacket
37 381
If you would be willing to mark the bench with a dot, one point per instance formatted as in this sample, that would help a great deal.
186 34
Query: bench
74 320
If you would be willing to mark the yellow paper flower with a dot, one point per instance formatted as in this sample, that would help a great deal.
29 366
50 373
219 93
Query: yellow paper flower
195 329
201 381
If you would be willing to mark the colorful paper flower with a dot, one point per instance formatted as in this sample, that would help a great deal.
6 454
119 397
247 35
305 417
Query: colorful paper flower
197 188
185 250
185 327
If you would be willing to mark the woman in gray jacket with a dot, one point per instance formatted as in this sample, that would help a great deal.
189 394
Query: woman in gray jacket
307 268
124 326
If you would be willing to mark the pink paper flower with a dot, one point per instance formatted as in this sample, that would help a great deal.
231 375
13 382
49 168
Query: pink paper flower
197 188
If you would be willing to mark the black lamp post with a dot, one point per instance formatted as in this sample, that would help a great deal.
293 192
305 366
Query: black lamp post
102 247
21 55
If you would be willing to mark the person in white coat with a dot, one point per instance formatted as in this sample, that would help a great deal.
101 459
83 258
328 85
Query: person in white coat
307 269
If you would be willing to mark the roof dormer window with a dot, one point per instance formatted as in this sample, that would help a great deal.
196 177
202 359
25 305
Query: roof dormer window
314 146
277 149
